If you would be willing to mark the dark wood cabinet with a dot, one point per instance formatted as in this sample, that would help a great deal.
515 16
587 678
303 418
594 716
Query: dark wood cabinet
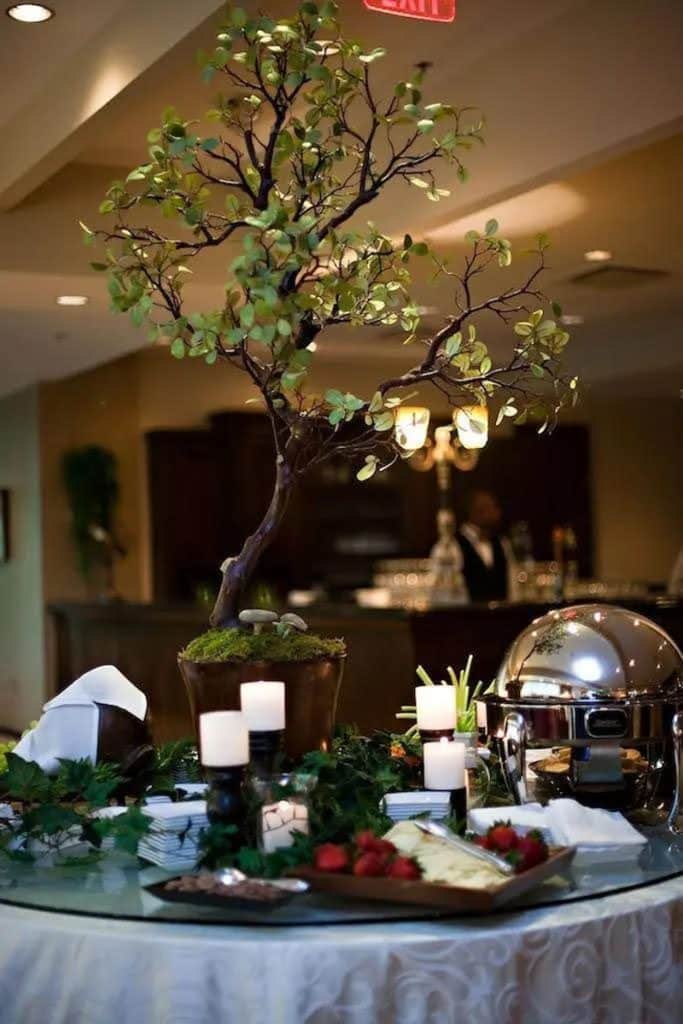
209 489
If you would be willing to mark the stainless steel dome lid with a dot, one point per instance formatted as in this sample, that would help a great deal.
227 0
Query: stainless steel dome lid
591 652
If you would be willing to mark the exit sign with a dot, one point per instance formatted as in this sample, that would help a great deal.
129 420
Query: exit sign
426 10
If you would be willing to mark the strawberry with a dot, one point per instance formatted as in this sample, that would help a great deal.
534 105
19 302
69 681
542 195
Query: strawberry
331 857
367 842
532 850
404 867
502 837
369 865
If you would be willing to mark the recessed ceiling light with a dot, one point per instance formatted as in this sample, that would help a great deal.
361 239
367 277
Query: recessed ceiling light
31 14
571 319
72 300
597 255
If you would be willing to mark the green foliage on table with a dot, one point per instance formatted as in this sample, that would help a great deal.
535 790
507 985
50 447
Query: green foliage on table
353 777
243 645
55 810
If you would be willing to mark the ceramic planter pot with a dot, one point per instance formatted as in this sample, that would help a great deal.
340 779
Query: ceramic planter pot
311 694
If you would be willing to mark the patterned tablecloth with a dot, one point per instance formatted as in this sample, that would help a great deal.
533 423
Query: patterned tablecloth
617 959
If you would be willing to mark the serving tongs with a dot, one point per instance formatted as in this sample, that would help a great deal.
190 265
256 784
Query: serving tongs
438 831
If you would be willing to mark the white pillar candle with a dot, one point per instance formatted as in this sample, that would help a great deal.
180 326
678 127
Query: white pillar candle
263 705
481 715
280 821
223 739
444 765
435 707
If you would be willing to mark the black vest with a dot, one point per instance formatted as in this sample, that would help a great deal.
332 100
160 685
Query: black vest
484 583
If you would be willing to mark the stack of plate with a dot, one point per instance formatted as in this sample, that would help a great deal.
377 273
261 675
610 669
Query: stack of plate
172 840
403 806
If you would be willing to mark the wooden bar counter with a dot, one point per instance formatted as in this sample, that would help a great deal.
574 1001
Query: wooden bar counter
143 640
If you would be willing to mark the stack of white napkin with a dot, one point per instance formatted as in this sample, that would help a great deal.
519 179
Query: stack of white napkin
403 806
599 835
173 838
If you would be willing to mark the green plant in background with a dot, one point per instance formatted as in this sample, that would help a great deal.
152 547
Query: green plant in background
465 701
90 476
305 139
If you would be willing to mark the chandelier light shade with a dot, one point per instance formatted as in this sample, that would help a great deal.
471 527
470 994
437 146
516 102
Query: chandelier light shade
472 425
412 423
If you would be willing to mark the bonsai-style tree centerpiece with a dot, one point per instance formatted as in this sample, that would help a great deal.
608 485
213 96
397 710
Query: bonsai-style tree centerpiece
304 142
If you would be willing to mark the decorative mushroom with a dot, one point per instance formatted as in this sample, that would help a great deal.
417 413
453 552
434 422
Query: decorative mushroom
257 617
295 621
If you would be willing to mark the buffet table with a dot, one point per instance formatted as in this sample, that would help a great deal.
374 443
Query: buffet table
615 958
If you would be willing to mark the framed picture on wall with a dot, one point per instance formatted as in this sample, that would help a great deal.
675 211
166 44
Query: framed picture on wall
4 525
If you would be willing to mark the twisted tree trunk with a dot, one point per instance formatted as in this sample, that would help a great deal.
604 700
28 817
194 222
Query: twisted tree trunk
240 569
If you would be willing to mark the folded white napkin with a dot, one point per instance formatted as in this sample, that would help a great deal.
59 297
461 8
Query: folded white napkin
575 825
68 727
566 822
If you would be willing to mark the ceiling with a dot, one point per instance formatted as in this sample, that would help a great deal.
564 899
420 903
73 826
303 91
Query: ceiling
576 146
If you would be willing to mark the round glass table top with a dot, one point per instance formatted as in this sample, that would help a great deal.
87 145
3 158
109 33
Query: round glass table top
115 886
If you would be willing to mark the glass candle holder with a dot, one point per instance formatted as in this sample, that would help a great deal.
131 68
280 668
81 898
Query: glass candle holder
284 809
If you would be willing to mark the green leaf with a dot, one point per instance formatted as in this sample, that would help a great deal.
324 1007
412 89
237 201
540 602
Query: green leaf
419 248
418 182
537 370
491 227
334 397
247 315
178 348
369 469
284 327
384 421
453 344
24 780
376 402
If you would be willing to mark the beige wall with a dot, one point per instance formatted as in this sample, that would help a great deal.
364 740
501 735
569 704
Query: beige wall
21 596
637 455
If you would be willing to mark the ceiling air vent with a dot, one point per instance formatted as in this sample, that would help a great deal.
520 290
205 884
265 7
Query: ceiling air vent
613 276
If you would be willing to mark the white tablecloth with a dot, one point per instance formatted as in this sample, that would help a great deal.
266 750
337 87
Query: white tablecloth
618 959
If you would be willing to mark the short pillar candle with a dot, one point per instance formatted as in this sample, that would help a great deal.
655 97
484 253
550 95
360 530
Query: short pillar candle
263 705
444 765
224 754
223 739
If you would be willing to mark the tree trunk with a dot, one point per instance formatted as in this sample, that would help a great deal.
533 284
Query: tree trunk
240 570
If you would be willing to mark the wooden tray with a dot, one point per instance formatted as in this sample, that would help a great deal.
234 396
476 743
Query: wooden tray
429 894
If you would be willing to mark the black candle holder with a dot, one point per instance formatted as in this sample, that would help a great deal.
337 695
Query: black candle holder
434 735
225 803
266 752
458 803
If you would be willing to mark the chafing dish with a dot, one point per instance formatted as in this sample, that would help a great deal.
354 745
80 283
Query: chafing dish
602 687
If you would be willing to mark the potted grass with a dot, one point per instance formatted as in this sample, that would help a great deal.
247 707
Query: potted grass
305 140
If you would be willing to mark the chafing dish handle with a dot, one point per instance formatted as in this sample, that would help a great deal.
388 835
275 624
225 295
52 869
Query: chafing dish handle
512 750
677 737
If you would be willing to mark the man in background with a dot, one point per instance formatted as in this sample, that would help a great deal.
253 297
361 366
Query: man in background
486 555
